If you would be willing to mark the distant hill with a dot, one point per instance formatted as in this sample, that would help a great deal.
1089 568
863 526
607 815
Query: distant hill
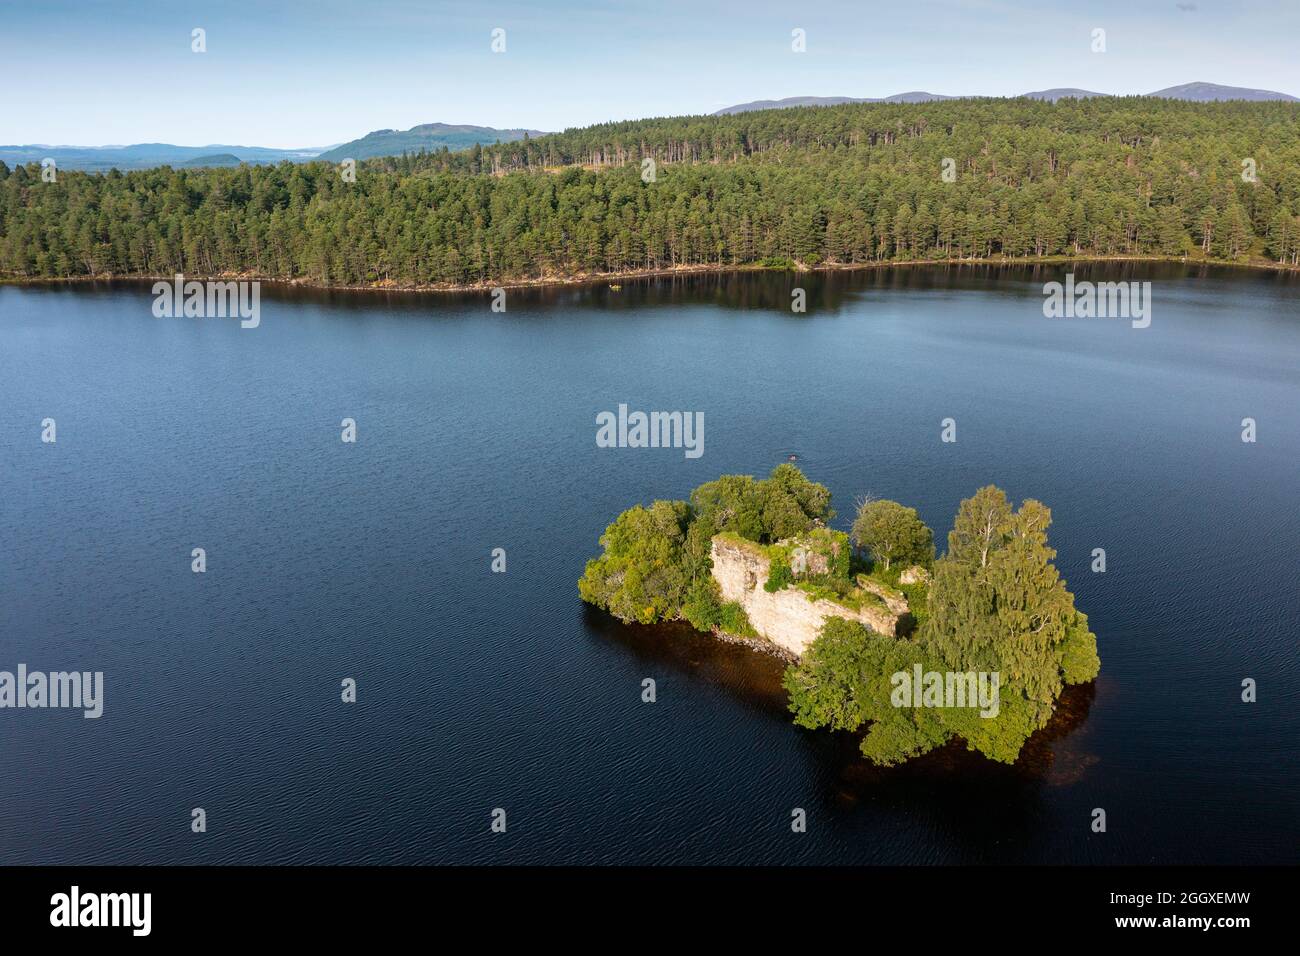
431 137
1062 93
1205 92
146 155
91 159
217 159
791 101
384 142
428 136
1196 92
916 96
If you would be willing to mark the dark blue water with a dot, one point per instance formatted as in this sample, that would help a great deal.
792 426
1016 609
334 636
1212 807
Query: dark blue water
479 690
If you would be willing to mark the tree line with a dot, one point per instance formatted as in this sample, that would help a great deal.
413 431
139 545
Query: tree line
851 184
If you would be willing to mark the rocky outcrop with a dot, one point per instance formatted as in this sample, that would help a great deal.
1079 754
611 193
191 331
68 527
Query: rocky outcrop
804 560
895 600
787 618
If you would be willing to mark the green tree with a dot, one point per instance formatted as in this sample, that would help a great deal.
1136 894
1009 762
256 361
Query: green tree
641 576
845 679
837 681
997 603
1079 660
791 504
891 533
731 503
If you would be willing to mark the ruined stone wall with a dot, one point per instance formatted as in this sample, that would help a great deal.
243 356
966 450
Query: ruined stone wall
787 617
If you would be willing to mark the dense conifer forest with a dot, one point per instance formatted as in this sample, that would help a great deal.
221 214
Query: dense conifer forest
851 184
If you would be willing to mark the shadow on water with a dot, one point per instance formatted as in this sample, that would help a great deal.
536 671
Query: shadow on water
752 676
741 291
830 291
1053 756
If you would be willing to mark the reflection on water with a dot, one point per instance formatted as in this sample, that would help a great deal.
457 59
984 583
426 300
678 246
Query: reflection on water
753 676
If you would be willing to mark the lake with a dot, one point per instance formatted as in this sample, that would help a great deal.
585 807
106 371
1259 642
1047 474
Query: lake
478 690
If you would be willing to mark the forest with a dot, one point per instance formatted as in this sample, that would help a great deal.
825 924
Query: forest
807 187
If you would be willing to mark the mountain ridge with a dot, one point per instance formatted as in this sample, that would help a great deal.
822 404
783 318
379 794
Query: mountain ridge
430 137
381 142
144 155
424 136
1198 91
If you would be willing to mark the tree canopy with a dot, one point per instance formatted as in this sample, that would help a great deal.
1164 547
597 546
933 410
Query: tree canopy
838 185
656 563
997 605
641 576
892 533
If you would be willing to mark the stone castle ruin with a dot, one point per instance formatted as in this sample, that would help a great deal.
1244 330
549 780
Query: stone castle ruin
792 617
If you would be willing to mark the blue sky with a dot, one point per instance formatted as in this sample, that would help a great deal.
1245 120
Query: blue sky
294 74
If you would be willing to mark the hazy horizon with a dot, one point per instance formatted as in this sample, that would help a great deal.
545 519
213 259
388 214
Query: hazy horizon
301 76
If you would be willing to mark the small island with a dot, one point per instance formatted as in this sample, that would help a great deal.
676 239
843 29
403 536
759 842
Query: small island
881 636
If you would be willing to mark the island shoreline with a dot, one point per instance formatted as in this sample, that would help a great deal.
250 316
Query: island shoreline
614 278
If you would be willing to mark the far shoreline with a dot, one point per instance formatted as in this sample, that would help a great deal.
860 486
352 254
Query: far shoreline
614 278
